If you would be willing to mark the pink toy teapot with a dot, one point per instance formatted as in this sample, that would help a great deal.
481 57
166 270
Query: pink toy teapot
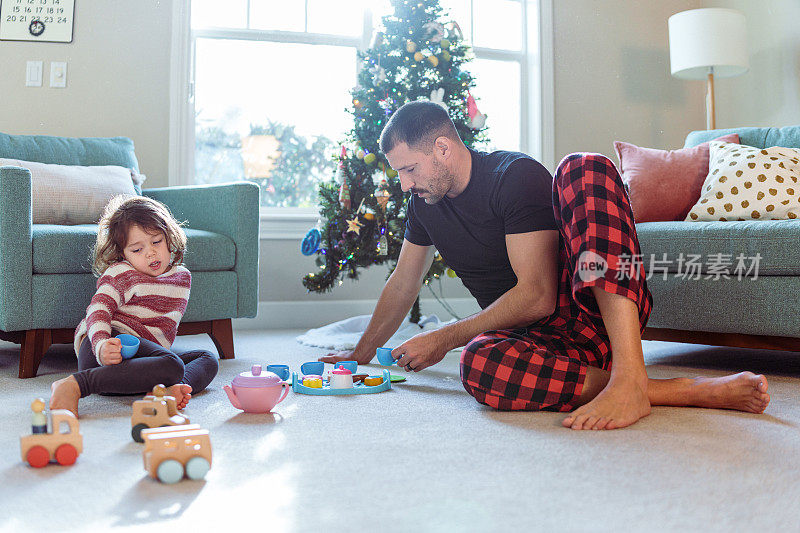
256 391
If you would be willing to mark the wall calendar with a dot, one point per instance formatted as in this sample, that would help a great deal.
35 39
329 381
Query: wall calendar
37 20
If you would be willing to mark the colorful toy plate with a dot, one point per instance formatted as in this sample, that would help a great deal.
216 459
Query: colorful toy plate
326 390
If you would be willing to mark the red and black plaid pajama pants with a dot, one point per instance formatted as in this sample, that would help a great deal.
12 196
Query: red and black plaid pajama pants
542 367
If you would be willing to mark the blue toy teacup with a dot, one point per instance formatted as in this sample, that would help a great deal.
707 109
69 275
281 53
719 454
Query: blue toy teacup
282 371
312 368
352 366
385 356
130 345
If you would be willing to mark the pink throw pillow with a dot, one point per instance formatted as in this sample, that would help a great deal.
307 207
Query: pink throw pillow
664 184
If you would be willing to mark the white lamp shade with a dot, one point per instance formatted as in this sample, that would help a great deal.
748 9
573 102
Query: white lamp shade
703 38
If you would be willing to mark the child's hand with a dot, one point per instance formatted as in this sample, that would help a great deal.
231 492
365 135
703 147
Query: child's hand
111 352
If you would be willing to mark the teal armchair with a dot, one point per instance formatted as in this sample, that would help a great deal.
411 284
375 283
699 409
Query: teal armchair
45 272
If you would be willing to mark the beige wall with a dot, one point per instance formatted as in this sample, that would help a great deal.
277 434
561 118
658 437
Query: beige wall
612 78
117 80
611 72
769 94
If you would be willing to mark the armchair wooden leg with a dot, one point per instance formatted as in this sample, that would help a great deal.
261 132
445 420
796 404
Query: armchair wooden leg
222 335
35 343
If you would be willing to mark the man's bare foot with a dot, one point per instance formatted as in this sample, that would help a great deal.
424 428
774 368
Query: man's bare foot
744 392
181 392
65 394
619 404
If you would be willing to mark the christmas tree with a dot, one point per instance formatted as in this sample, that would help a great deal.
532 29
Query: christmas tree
418 54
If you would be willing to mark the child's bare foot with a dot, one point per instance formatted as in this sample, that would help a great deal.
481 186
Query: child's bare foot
744 392
181 392
65 394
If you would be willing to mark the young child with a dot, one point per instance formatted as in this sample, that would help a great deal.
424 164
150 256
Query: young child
142 290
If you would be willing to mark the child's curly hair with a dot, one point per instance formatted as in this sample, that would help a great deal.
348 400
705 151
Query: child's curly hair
119 215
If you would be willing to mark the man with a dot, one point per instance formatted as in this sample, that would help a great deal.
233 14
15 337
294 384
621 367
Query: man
521 241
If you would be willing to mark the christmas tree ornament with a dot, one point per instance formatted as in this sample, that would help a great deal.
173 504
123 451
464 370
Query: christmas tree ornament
451 273
434 31
341 171
383 244
445 55
419 56
445 44
369 216
392 173
377 40
360 153
433 60
344 195
437 97
378 74
411 46
353 225
369 158
476 119
311 241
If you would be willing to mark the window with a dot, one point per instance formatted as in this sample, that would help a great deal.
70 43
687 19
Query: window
271 82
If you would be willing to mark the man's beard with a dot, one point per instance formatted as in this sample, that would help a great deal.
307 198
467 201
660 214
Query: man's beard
442 179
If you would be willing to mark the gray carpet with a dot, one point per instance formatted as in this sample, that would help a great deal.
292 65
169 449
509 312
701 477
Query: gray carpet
421 457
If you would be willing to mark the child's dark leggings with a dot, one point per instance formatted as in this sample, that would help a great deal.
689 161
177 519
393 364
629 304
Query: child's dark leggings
153 364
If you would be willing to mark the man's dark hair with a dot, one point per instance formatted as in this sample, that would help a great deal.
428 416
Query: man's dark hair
418 124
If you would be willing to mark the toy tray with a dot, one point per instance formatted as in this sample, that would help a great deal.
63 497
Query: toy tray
326 390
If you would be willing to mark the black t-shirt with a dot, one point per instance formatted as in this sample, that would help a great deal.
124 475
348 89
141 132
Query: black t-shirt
508 192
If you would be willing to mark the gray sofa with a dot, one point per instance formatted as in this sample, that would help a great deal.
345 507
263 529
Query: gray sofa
751 312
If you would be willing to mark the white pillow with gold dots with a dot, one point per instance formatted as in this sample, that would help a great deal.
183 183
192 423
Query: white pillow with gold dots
747 183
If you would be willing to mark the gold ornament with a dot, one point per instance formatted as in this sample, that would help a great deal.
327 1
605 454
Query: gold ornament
369 216
445 44
418 56
354 225
360 153
445 55
369 159
433 60
411 46
392 173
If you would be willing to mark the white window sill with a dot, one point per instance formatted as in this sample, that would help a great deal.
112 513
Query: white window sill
288 223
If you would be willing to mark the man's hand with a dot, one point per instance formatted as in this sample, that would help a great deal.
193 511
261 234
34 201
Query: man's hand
347 355
111 352
421 351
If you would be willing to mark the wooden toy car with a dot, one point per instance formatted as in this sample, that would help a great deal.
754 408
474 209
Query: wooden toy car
38 449
155 410
171 452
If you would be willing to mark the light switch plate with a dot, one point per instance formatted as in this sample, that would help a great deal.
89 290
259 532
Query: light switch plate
58 74
33 74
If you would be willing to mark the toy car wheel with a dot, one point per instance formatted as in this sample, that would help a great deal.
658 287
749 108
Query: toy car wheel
136 432
170 471
38 456
66 454
197 467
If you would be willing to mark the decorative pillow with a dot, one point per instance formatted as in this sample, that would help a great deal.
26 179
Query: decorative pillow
663 184
746 183
69 195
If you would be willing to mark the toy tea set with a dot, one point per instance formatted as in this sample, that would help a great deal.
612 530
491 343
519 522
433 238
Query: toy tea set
257 391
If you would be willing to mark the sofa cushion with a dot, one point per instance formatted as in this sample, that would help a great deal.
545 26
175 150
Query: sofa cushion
67 249
775 240
745 183
74 194
663 184
86 151
759 137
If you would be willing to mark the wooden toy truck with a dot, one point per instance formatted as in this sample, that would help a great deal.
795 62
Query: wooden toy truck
155 410
38 449
171 452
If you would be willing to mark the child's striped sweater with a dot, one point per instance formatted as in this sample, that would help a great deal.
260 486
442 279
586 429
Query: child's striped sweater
136 303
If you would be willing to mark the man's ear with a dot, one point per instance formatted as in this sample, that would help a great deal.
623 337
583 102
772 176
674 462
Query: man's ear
443 146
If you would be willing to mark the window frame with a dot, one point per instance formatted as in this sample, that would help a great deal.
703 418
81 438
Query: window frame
536 93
